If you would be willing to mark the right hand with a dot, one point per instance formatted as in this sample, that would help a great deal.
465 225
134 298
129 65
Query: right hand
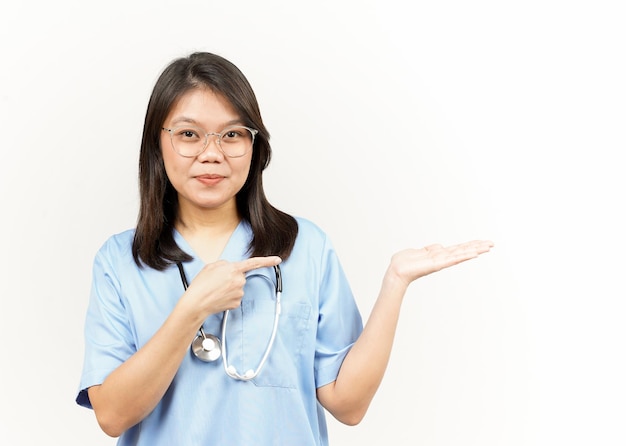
411 264
219 285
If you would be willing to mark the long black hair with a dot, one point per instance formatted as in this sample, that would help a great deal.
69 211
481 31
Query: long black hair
274 232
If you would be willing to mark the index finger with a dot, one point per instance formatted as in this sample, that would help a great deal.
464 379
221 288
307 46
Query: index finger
258 262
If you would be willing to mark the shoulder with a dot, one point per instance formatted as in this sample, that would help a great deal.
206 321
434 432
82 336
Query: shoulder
312 239
308 229
118 245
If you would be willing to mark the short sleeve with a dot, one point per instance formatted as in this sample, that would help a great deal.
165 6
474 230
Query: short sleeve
339 321
108 337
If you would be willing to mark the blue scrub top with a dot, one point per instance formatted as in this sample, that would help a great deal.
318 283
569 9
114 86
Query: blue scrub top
203 406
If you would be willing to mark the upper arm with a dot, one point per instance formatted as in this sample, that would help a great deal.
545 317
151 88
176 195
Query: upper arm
325 396
341 409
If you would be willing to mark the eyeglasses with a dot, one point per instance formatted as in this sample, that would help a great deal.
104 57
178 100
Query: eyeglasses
233 142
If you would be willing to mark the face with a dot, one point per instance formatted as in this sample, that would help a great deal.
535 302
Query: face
210 180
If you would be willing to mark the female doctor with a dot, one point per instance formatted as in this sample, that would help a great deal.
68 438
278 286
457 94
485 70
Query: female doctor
220 319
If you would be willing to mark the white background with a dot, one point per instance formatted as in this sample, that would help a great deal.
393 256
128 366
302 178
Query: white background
394 124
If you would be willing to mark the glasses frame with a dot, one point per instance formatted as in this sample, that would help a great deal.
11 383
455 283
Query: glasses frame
254 132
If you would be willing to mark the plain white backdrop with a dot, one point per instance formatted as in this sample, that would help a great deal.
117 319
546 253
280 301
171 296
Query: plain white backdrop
394 124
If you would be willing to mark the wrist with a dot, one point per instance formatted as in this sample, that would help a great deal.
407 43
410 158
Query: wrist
393 283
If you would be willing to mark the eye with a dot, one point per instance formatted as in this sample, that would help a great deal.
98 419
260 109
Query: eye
232 133
187 134
236 134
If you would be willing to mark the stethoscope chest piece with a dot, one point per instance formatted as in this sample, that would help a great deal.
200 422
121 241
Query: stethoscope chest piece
206 347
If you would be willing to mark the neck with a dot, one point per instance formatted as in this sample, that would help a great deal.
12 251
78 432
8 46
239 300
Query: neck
207 230
194 221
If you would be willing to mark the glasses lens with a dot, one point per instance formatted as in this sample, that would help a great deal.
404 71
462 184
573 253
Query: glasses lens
188 141
191 141
236 141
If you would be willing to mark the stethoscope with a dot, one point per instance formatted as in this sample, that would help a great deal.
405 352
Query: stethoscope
208 348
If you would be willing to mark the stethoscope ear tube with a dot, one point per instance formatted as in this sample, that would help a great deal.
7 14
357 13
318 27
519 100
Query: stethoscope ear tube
279 279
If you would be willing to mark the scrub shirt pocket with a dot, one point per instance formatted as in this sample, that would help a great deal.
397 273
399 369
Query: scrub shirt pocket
284 359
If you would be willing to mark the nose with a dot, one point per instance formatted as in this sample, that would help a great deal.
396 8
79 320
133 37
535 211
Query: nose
212 151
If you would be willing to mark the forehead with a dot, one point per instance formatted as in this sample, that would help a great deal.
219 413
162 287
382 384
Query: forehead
204 107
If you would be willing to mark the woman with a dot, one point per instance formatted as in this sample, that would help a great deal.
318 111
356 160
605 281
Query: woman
190 339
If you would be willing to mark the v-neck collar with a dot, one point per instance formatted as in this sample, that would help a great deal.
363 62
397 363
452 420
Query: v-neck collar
236 247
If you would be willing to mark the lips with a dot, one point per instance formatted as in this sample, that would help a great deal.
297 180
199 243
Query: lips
209 179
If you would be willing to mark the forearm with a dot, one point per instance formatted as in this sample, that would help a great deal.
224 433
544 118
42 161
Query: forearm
364 366
134 389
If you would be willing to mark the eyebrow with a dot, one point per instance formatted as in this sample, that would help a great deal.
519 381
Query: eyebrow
188 120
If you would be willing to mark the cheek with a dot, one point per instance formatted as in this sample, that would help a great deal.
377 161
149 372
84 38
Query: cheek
167 162
244 170
173 164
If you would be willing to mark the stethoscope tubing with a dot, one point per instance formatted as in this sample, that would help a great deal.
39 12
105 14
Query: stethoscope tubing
209 356
250 374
